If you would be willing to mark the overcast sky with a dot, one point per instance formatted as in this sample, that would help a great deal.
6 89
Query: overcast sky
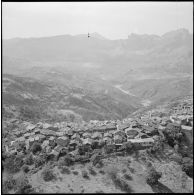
113 20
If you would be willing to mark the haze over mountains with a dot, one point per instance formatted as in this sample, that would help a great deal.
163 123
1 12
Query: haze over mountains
98 76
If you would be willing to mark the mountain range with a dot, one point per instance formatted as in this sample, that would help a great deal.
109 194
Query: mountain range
97 76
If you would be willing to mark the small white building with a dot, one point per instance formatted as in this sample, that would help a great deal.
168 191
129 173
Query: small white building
146 142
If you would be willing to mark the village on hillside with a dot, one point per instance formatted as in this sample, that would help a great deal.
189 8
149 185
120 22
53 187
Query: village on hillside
96 140
142 131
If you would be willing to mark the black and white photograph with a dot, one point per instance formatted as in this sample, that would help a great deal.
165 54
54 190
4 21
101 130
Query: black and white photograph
97 97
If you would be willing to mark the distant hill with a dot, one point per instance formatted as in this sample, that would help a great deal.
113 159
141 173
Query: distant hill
48 100
171 52
148 68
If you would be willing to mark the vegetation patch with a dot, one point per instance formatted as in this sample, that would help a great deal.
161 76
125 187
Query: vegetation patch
23 186
75 172
65 170
13 164
25 169
152 176
92 171
36 147
48 175
66 161
39 161
29 160
119 182
102 172
85 174
127 176
8 184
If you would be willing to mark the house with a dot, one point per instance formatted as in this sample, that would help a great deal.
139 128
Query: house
141 135
46 125
60 134
87 141
30 127
45 144
174 126
86 135
37 138
119 132
118 139
60 149
62 141
122 127
96 135
51 140
48 132
37 131
26 135
76 135
31 141
140 143
69 132
188 132
53 128
20 139
107 135
32 134
73 144
48 149
107 140
131 133
41 137
105 128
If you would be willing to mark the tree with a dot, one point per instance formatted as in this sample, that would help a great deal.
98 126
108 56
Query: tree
152 176
188 166
95 145
36 147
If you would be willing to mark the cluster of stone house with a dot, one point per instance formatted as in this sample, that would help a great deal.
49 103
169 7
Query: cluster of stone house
140 131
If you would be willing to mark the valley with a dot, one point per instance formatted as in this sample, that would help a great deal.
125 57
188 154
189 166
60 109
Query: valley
102 78
96 115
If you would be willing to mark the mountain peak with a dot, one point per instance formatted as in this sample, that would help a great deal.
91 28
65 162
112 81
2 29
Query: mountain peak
98 36
93 35
181 31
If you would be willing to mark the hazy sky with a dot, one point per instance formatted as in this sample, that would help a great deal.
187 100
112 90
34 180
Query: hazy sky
113 20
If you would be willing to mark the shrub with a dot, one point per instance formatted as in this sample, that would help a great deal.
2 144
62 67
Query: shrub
65 170
39 161
100 164
75 172
48 174
101 144
127 146
95 145
36 147
85 174
66 161
119 182
13 164
102 172
25 169
95 159
187 166
9 184
124 170
21 147
152 176
127 176
23 186
29 160
92 171
108 149
99 192
132 170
